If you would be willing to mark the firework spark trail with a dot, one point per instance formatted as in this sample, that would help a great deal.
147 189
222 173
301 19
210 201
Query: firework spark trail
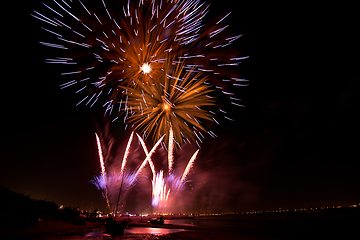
126 154
148 155
160 193
188 168
99 183
126 178
103 172
171 151
114 180
162 186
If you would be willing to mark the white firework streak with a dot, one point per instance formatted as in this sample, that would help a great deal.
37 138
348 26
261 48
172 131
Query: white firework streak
160 192
171 151
126 154
103 172
148 155
188 168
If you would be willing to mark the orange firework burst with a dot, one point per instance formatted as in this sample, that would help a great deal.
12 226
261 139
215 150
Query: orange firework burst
175 101
112 43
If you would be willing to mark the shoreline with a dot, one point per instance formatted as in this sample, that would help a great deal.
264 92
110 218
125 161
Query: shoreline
46 228
246 229
64 230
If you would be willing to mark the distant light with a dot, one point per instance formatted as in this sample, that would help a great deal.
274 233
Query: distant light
146 68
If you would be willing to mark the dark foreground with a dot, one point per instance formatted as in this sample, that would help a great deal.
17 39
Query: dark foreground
210 227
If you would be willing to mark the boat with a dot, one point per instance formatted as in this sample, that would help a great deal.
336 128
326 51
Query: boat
157 221
115 228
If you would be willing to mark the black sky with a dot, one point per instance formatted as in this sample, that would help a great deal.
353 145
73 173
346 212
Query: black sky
295 144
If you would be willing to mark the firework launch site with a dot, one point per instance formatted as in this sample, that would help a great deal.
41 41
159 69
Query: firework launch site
26 218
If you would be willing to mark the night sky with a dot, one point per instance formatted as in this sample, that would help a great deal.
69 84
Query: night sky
295 144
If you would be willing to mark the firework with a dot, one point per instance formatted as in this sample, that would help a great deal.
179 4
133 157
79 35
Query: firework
187 170
148 155
176 102
178 183
171 150
126 154
164 187
107 44
154 61
114 180
111 45
103 171
124 179
160 193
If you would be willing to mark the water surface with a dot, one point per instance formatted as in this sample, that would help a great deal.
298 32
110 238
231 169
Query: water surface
135 231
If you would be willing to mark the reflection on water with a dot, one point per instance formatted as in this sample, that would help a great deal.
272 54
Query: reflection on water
181 222
97 234
135 230
228 222
150 230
